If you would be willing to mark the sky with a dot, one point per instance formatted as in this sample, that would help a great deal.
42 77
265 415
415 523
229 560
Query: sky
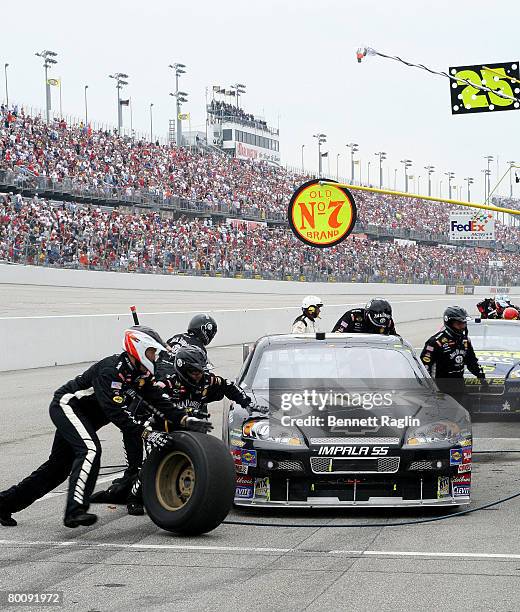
298 61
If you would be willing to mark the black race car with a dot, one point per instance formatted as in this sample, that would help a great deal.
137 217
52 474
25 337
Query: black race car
497 346
413 450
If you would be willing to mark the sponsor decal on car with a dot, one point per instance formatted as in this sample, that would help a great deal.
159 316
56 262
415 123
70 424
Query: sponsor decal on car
466 455
241 469
354 451
461 485
249 457
244 492
466 442
464 468
455 456
236 453
245 481
443 487
263 488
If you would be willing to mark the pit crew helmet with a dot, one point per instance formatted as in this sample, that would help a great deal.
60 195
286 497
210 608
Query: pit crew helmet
510 313
379 312
455 313
311 305
138 339
188 360
204 327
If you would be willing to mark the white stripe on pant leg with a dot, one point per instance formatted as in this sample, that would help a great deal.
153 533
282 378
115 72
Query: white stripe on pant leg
89 443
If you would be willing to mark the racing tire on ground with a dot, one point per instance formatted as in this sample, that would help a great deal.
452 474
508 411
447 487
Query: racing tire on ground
189 488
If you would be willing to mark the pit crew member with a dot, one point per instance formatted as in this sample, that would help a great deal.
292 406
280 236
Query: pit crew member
307 321
375 318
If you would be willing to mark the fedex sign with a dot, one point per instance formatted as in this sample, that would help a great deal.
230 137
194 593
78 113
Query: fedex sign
472 225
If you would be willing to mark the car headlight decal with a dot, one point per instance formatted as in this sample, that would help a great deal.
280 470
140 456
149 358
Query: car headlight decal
269 431
440 431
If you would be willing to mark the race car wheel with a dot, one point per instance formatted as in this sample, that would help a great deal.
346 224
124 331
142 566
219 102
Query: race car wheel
189 488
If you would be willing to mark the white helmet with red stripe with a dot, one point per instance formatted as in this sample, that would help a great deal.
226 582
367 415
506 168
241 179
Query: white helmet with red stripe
138 339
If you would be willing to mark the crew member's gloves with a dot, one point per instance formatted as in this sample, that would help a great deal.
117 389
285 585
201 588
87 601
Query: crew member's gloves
194 424
252 408
157 439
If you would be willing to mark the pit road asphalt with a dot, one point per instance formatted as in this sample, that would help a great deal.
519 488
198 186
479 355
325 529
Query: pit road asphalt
126 563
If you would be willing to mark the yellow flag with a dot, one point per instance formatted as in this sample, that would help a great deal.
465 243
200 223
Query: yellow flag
184 116
54 82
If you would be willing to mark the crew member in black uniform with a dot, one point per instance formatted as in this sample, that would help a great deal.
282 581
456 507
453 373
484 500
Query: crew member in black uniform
102 394
447 352
375 318
201 331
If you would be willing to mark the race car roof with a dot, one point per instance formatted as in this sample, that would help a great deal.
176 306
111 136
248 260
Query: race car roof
374 340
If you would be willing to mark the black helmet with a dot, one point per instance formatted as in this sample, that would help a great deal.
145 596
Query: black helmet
204 327
379 312
188 360
455 313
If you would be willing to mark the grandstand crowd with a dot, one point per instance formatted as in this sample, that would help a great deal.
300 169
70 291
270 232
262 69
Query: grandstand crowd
39 231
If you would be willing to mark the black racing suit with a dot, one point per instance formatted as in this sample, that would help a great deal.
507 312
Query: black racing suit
487 308
445 355
164 363
102 394
356 321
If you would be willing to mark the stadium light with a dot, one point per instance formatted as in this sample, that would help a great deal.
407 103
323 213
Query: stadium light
322 139
151 122
382 156
489 159
354 148
48 62
511 164
430 170
181 97
86 106
450 175
6 65
119 77
469 181
407 163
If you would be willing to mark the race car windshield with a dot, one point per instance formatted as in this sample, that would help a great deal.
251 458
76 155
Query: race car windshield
331 363
504 337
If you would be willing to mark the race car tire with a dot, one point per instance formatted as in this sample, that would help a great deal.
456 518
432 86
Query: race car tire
189 488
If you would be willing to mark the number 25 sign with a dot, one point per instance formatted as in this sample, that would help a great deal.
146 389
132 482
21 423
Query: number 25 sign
500 78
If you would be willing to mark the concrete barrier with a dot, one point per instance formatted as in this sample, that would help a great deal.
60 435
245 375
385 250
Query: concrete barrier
31 342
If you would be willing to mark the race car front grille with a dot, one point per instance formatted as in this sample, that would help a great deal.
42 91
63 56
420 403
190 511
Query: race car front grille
347 465
421 465
292 466
355 441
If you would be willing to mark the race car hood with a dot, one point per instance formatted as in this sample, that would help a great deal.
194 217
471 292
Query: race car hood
423 408
498 364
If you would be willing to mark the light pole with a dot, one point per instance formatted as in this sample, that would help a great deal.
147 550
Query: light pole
181 97
469 181
382 156
450 175
303 171
489 158
419 184
239 88
440 188
354 148
486 174
337 165
6 88
368 173
322 139
48 62
430 170
86 106
407 163
151 122
395 179
511 164
119 78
